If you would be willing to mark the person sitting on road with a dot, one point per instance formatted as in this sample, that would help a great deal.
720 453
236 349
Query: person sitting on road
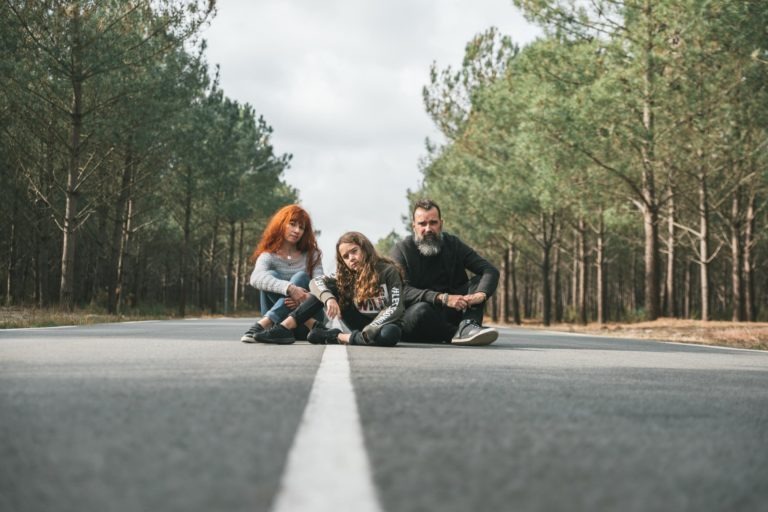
287 257
442 304
364 294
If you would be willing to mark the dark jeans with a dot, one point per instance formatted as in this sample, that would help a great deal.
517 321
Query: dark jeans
388 335
424 322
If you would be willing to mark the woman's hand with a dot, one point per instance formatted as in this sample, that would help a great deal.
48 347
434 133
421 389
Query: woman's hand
332 308
296 295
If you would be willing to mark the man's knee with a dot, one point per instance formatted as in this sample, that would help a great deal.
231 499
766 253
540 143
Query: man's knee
419 311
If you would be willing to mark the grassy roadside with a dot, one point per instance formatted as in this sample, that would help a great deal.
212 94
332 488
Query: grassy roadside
15 317
724 334
22 317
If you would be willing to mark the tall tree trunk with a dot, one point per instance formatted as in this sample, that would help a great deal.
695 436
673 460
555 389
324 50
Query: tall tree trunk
11 277
239 275
513 284
186 246
671 285
647 151
687 291
704 245
583 271
504 288
575 273
557 284
124 254
231 257
749 266
548 223
117 232
213 249
67 287
600 266
737 263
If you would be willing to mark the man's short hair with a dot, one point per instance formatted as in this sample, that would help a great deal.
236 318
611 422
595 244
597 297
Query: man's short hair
425 204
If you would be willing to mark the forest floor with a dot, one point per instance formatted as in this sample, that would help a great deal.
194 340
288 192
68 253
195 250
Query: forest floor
752 335
727 334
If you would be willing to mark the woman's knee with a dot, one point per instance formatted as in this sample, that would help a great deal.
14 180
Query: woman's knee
301 279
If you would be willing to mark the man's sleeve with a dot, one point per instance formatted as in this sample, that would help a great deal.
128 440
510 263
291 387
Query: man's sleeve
480 266
410 293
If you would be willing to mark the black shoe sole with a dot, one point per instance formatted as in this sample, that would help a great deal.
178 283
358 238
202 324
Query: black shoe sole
277 341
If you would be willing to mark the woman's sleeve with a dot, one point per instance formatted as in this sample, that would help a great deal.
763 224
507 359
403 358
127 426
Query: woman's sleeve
322 287
394 312
317 270
262 278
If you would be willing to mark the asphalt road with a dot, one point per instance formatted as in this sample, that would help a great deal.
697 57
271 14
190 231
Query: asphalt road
180 415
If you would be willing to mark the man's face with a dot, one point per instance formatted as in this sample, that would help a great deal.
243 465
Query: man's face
427 223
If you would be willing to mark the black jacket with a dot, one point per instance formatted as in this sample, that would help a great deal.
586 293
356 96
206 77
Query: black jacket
428 276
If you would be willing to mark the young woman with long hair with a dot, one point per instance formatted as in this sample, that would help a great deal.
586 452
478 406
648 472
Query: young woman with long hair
364 293
287 258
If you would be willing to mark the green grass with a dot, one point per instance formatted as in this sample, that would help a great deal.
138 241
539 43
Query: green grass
20 317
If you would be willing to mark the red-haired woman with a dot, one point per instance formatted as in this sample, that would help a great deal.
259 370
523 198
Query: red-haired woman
287 257
364 293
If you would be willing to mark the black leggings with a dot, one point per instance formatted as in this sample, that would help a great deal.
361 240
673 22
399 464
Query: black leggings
424 322
388 335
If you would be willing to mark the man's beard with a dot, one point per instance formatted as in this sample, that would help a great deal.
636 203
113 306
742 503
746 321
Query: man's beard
429 244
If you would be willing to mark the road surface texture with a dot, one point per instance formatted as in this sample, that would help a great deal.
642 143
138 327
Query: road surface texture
181 416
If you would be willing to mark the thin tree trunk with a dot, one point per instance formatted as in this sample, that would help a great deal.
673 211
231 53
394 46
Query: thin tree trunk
557 283
670 298
704 246
124 253
231 257
240 257
583 268
11 277
513 284
213 249
749 276
504 289
185 247
117 233
600 265
737 263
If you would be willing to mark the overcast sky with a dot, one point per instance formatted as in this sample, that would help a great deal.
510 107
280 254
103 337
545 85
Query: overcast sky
340 82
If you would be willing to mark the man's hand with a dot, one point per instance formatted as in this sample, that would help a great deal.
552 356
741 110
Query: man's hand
475 298
332 308
458 302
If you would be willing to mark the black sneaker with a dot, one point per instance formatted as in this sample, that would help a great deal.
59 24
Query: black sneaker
470 333
320 336
250 334
276 334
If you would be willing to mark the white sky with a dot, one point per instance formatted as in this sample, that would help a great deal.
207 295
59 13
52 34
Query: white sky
340 82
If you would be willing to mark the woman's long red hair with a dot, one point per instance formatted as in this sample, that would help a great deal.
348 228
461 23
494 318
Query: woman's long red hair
272 238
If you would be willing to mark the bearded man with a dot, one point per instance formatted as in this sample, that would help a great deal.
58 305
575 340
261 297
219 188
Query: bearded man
442 304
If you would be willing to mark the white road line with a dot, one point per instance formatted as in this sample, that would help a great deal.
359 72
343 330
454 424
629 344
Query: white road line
328 468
